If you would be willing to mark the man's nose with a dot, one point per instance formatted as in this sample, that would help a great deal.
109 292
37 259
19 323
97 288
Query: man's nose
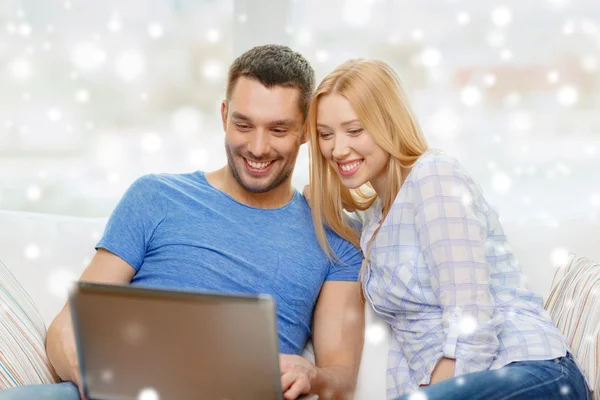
259 144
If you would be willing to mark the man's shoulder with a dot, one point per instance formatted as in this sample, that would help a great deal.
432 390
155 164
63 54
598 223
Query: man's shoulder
166 181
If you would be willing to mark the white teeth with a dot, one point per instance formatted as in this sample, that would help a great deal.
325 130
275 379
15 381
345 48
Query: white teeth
258 165
349 167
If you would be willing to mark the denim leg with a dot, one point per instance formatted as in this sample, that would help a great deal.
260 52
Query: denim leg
552 379
58 391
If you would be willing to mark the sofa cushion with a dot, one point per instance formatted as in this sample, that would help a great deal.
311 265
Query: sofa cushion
574 304
23 359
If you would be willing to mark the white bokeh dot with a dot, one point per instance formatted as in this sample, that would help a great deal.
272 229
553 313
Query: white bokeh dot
54 115
34 192
114 24
565 390
242 18
521 122
213 36
356 12
186 121
418 395
375 333
506 54
501 16
32 251
155 30
471 95
107 376
212 70
417 34
134 332
88 56
463 18
303 37
60 282
460 381
553 76
445 123
589 151
82 96
113 178
567 96
589 63
148 394
199 158
322 55
495 38
559 256
20 68
501 182
151 143
489 79
468 325
24 29
568 28
431 57
130 65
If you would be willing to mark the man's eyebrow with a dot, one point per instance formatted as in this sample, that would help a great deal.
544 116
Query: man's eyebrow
282 122
239 116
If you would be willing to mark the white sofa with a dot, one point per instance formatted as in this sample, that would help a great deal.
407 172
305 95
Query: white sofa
46 252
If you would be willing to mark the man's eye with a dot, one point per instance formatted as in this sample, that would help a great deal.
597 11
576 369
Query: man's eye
242 126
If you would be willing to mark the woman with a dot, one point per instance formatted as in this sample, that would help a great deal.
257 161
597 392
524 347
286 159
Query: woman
437 265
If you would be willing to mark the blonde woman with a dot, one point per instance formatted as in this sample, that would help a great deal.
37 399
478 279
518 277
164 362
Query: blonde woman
437 265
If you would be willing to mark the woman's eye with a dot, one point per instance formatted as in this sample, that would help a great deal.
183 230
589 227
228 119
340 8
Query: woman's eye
355 131
325 135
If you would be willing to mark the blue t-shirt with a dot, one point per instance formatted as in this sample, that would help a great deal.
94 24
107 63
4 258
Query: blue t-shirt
178 231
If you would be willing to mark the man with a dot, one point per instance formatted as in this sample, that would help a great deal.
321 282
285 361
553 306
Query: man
242 228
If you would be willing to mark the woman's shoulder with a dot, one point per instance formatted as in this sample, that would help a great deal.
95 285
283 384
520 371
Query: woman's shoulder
433 163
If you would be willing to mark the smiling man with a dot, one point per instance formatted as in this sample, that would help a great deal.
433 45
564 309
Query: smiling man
240 229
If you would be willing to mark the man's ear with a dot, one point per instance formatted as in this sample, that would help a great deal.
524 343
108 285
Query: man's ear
304 138
224 112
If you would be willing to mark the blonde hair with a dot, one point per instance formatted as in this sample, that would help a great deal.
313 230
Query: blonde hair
375 93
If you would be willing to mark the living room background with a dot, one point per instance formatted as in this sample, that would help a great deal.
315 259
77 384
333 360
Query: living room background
95 94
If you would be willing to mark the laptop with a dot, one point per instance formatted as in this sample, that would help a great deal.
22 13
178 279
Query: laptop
153 344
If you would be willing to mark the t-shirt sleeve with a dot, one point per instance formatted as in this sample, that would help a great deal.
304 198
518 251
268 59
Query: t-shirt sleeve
131 226
349 260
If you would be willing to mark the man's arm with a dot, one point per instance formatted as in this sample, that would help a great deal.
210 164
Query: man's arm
338 335
105 267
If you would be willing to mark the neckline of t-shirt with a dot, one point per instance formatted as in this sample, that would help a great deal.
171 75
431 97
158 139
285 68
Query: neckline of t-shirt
202 176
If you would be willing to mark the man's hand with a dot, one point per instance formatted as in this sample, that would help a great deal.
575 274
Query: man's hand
297 375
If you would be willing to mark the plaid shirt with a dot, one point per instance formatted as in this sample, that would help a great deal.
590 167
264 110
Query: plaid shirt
443 276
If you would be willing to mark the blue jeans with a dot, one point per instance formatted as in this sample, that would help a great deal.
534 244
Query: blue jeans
552 379
59 391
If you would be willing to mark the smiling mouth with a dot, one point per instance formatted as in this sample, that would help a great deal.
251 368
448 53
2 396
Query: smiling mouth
258 167
349 168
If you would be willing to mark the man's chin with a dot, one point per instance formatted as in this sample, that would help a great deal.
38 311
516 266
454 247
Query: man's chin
257 185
